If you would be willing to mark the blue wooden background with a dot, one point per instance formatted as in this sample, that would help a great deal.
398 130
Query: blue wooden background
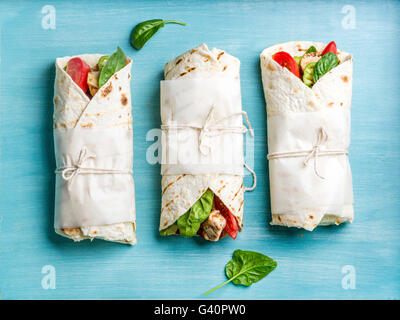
310 264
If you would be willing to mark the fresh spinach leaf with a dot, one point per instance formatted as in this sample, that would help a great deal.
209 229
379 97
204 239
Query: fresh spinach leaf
190 222
246 268
114 63
146 29
311 49
324 65
172 229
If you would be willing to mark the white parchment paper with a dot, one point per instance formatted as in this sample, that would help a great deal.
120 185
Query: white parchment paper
187 103
294 185
94 198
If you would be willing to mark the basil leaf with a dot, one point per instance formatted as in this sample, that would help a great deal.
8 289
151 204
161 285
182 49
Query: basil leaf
325 64
114 63
311 49
190 222
246 268
172 229
146 29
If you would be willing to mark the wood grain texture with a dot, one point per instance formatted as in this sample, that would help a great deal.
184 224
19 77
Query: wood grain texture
309 264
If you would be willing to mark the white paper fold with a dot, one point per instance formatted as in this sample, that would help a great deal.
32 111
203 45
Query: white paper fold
188 126
294 185
106 195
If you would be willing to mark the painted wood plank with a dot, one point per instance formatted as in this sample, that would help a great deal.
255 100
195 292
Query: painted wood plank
310 264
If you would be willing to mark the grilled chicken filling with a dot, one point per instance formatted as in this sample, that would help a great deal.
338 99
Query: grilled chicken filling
214 226
93 82
308 58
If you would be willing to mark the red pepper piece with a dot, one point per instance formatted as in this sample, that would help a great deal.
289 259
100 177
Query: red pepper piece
78 70
231 227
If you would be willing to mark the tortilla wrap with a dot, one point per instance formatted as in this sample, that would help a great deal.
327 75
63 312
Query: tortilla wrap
297 116
180 192
93 205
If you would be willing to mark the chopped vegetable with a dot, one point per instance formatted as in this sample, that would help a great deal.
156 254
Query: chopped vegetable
312 65
285 60
102 62
331 47
297 59
308 74
78 71
308 58
231 222
113 64
325 64
146 29
172 229
246 268
232 227
190 222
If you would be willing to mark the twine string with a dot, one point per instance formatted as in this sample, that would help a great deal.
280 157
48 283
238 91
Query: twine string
212 128
69 172
314 153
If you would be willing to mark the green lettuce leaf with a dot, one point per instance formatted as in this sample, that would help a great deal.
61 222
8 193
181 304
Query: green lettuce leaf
170 230
190 222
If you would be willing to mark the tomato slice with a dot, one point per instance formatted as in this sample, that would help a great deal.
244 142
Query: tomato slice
331 47
78 70
286 61
231 227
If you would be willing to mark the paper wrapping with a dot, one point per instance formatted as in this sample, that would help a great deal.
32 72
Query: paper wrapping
190 104
295 114
181 191
93 205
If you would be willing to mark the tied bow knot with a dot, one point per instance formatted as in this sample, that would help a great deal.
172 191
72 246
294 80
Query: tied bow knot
69 172
207 130
315 152
321 139
211 128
